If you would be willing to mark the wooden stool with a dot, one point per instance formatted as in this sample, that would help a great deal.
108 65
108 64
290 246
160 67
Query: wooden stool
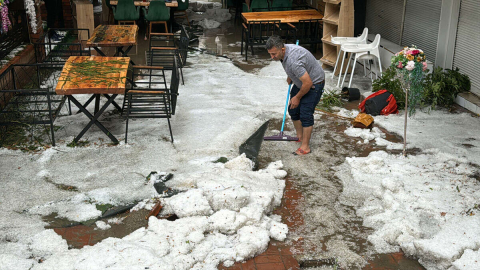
156 22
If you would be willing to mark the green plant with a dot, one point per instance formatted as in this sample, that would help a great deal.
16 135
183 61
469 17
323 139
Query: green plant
392 84
330 99
441 87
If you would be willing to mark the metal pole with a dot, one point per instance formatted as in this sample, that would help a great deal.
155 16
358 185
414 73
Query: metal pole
405 125
403 21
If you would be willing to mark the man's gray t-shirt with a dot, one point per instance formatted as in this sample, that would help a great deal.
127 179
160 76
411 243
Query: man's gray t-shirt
297 61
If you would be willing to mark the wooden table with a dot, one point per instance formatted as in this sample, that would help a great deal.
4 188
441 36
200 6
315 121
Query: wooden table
94 75
147 3
288 16
117 36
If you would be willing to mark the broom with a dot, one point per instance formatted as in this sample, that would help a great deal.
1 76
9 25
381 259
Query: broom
281 136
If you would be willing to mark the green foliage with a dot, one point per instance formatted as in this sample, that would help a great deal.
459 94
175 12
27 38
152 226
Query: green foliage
441 87
103 207
329 100
78 144
221 160
392 84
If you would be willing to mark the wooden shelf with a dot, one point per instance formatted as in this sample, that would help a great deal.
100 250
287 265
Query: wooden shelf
329 59
338 22
331 18
327 38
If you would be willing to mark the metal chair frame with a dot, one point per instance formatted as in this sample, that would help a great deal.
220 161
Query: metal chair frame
27 95
152 97
257 33
47 50
163 55
308 32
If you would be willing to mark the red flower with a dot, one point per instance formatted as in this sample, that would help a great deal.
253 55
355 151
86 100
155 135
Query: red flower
415 52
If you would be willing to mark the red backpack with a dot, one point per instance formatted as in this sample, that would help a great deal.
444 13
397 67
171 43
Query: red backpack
381 102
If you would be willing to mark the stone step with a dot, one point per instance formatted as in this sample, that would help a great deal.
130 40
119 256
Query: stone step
469 101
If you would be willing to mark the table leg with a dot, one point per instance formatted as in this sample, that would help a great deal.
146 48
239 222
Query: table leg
93 118
114 103
86 103
97 103
99 51
125 53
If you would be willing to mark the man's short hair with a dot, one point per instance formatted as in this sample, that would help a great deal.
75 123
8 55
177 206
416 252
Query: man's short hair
274 41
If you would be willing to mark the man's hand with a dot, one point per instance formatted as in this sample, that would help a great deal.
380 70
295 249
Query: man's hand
294 102
289 81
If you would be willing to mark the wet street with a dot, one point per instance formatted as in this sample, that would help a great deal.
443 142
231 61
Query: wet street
324 230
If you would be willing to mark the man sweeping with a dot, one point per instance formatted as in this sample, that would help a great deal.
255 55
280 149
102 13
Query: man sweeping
308 77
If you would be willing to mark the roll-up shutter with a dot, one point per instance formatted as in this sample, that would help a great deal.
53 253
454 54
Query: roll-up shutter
422 18
384 17
467 46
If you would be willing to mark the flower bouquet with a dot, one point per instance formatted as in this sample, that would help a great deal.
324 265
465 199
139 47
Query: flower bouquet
411 66
6 24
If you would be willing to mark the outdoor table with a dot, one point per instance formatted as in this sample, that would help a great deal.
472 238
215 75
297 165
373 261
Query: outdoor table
117 36
94 75
147 3
287 16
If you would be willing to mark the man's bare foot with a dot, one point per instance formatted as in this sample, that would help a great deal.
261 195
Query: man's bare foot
301 152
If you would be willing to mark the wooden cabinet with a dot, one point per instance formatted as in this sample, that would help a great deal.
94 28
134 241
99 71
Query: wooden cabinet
82 13
338 21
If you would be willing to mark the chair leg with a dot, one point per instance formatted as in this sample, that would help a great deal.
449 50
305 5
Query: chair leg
380 66
346 70
341 69
170 128
181 74
353 71
336 63
241 44
371 71
128 114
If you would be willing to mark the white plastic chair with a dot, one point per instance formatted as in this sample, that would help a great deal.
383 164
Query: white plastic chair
362 52
362 39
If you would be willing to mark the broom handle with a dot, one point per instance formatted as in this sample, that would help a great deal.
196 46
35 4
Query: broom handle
286 106
286 103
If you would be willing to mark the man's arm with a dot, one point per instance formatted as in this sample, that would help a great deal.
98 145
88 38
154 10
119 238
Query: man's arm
306 85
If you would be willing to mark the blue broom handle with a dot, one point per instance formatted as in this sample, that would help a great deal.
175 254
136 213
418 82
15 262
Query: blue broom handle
286 103
286 106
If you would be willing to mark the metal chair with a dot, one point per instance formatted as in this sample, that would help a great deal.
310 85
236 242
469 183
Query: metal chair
166 48
58 51
308 32
27 96
257 33
149 96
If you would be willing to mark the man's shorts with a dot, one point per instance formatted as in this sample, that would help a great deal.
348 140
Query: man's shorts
306 108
